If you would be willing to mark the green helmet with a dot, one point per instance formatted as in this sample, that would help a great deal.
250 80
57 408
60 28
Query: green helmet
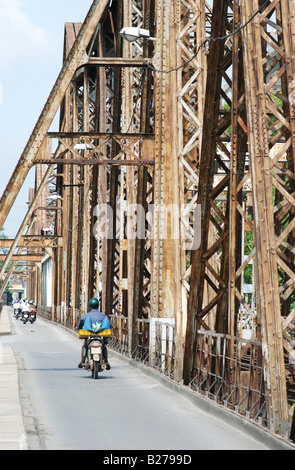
93 304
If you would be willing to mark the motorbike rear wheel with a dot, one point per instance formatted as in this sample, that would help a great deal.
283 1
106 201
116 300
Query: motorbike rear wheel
95 369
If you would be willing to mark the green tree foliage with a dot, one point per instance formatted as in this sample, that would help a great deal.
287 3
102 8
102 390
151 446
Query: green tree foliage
2 234
248 247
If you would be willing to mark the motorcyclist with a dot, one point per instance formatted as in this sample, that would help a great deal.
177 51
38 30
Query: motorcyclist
91 319
23 302
25 308
17 306
33 308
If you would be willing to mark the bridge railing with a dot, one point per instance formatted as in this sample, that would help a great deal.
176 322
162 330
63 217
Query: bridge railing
229 370
154 344
119 340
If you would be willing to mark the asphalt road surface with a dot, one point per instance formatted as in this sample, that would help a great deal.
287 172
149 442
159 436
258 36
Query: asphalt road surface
125 409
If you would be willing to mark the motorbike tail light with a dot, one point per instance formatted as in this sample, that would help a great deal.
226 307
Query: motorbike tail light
95 344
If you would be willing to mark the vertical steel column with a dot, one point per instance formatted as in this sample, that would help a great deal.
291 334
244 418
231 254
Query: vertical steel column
166 173
266 266
206 175
86 219
140 253
191 34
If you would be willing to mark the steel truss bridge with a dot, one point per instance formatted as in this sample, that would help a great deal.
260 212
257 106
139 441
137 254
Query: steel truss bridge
169 193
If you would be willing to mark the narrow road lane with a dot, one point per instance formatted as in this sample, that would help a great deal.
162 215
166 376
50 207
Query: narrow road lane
123 410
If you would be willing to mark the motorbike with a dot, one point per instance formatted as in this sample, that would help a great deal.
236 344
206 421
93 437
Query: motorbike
17 312
25 317
32 317
95 361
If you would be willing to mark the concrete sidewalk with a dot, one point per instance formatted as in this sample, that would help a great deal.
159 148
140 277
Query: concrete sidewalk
12 431
5 327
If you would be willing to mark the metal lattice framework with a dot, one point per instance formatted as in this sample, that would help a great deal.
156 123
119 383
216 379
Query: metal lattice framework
169 189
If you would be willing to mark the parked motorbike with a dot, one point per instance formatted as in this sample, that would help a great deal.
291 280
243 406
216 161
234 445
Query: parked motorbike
95 361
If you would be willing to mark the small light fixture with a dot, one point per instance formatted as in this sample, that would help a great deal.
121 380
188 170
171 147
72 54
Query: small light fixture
54 197
82 146
132 34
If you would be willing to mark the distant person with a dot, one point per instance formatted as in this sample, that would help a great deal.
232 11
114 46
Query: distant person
17 305
33 306
17 308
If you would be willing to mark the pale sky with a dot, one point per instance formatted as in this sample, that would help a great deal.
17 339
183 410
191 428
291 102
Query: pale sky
31 49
